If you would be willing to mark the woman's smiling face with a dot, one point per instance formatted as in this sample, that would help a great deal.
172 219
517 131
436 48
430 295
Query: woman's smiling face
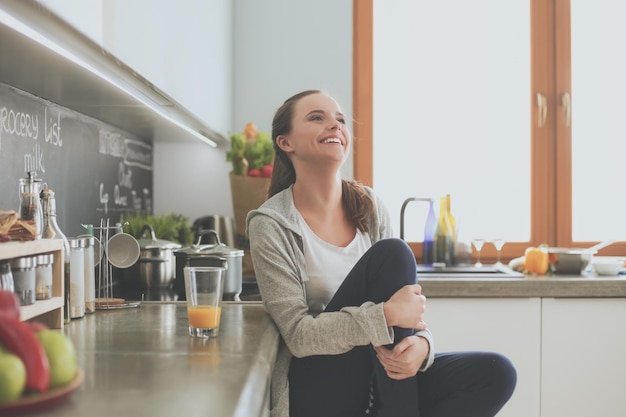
318 131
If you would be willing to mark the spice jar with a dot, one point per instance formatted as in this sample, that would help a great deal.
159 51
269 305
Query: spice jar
43 276
23 270
6 277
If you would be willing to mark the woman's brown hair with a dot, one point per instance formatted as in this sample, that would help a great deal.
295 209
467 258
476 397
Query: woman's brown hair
357 202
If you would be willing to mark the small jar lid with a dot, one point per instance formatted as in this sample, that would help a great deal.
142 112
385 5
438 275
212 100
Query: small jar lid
89 241
45 259
76 242
25 262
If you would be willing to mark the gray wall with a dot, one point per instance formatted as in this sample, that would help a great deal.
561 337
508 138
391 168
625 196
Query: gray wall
227 61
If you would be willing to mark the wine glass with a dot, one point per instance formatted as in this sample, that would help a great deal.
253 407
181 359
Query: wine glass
478 245
498 243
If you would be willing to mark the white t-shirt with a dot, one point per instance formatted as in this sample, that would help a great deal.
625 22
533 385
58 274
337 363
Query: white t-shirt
328 265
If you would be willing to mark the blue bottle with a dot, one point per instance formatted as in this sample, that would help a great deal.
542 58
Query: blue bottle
428 246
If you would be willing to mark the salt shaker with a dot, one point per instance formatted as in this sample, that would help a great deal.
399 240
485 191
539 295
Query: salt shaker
43 276
23 270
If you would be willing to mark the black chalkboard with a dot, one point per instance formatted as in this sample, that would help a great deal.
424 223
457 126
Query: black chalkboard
96 170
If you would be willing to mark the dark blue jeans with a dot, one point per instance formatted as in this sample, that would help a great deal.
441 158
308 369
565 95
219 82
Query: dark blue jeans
463 384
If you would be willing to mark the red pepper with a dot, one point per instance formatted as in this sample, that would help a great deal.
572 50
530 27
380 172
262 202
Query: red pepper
19 339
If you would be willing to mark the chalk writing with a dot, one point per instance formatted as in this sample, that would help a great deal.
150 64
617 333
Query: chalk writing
125 177
148 200
120 200
18 124
53 129
34 161
132 152
104 198
138 154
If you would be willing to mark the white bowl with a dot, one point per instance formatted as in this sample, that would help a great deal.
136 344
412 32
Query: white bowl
607 266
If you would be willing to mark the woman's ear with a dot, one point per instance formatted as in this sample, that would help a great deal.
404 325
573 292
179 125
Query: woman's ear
283 143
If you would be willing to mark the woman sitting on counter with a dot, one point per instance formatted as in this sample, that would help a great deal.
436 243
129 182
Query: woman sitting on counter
344 294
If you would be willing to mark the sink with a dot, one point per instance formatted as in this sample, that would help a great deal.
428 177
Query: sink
467 271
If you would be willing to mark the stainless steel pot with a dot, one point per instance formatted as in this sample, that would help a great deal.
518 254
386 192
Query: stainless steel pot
216 254
224 227
156 264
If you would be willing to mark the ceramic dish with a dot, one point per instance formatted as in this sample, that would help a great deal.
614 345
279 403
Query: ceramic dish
608 266
40 402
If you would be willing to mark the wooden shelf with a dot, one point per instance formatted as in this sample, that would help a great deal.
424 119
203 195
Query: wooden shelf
49 312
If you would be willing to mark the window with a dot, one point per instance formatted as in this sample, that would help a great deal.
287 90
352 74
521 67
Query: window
475 100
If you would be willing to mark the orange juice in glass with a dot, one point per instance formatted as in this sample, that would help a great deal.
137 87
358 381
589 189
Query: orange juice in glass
204 287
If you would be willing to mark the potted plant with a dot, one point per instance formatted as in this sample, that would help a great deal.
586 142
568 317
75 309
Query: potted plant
252 156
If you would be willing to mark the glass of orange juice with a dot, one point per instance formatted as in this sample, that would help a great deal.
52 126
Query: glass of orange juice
204 287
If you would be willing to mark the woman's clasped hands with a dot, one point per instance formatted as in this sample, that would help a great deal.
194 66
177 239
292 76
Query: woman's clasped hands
406 309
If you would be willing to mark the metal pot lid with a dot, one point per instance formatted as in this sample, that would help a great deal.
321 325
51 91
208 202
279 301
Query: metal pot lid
213 249
152 242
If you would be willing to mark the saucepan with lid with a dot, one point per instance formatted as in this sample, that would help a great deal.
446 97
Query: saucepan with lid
214 254
157 264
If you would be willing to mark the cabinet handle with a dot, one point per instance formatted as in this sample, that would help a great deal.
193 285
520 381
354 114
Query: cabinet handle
566 103
542 109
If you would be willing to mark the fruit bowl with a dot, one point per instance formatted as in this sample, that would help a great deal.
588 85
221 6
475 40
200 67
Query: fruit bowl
38 402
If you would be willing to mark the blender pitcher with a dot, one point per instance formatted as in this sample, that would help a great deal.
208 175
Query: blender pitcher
30 203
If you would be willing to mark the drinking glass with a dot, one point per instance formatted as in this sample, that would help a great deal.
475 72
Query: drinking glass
478 245
204 287
498 243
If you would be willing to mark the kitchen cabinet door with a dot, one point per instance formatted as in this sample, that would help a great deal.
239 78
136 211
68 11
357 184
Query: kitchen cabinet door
510 326
583 363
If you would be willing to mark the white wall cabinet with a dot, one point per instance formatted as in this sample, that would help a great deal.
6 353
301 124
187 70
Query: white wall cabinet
583 364
569 353
510 326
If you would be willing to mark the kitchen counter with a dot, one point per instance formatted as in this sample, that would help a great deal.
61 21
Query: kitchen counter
550 286
141 361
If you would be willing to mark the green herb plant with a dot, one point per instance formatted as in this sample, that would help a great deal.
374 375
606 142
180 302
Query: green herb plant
251 153
173 227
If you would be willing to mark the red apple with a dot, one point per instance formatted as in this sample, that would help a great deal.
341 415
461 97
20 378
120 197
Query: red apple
9 304
37 326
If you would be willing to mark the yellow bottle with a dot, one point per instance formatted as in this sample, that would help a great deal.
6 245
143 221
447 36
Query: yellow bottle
454 230
443 234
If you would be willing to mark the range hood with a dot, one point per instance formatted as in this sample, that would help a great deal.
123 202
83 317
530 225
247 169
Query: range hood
44 56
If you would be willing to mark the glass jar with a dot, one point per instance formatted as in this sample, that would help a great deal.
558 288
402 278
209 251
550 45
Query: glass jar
24 278
43 276
30 203
6 277
77 277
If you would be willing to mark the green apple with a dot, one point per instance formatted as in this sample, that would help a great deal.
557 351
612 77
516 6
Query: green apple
61 355
12 376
